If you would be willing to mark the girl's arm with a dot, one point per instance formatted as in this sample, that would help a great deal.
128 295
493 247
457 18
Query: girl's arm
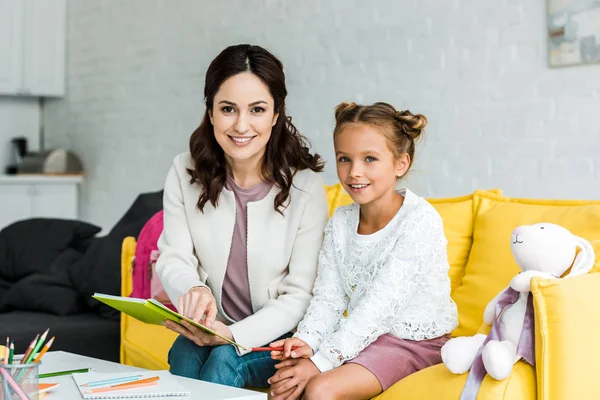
392 293
177 266
329 302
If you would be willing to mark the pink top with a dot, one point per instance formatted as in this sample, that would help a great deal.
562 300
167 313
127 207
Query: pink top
236 299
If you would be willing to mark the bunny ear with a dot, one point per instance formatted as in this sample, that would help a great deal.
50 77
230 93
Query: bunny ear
584 261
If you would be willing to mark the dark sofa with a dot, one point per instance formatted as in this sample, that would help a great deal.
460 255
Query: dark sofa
49 268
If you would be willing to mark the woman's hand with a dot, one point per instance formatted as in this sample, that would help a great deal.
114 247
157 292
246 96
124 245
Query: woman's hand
291 378
197 335
302 350
198 304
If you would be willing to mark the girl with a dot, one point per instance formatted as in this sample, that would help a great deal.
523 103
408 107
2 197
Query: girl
244 213
383 259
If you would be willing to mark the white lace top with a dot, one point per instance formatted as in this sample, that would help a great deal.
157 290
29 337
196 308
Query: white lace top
393 281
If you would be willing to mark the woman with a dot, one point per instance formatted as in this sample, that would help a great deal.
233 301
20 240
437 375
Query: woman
244 213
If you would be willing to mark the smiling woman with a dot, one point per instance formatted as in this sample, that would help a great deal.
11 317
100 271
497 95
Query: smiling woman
244 212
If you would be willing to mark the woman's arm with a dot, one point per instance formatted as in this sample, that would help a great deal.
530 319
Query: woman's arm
281 315
392 291
177 266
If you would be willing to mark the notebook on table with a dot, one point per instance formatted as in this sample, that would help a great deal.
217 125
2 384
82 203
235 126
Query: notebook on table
152 311
166 386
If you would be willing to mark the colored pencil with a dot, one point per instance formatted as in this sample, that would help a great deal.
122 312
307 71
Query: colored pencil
44 350
30 349
11 354
131 385
68 372
272 348
122 379
146 380
6 356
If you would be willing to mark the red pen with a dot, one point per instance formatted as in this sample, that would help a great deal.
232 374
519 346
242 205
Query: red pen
272 348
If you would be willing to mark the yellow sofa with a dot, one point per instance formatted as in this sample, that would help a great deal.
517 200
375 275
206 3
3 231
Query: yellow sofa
478 228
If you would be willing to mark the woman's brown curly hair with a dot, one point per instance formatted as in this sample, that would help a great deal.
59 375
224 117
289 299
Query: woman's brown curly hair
287 150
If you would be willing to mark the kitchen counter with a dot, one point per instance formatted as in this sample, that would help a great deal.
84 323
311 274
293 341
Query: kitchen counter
21 179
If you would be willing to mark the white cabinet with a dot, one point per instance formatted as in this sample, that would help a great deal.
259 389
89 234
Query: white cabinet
11 45
15 204
32 47
31 196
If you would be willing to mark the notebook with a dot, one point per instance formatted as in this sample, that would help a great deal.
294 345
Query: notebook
167 386
152 311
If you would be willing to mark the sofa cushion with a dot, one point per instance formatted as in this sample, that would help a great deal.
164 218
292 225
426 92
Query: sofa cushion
50 291
491 265
30 245
457 214
437 382
43 293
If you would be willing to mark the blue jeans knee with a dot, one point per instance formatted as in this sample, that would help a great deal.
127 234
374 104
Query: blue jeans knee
223 366
186 358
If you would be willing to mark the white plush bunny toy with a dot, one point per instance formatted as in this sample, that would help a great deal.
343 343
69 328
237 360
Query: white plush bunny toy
545 250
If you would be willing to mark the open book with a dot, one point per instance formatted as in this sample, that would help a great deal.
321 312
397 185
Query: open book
166 386
151 311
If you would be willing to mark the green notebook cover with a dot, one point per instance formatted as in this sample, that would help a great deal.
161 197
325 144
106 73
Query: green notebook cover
152 312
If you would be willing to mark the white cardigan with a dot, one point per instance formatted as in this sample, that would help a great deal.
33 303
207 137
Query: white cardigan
282 250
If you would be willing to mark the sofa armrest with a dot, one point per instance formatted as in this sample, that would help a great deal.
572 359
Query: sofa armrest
127 254
567 318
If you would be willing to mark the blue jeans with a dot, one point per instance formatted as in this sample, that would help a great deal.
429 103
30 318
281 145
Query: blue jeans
221 364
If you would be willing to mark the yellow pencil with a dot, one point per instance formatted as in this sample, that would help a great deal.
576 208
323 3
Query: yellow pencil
44 350
6 351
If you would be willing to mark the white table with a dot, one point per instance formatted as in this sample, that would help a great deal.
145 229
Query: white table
55 361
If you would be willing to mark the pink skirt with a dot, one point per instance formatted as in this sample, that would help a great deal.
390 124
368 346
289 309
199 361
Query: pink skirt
390 358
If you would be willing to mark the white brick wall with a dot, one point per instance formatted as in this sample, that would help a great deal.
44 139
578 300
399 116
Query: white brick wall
499 117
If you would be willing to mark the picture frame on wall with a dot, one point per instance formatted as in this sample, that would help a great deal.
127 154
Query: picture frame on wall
573 32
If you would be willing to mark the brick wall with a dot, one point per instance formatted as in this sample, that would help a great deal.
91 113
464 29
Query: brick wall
499 117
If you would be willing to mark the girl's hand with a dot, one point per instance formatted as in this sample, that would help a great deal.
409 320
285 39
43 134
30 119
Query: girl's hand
198 304
197 335
303 350
291 378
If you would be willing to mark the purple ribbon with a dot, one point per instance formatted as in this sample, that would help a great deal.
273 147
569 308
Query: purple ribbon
525 348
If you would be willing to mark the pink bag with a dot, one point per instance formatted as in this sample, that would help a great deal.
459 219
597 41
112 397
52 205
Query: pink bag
146 284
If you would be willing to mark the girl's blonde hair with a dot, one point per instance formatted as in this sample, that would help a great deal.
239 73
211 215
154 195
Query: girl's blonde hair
402 128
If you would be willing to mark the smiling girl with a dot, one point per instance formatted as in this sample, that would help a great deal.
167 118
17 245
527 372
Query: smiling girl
383 260
244 212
